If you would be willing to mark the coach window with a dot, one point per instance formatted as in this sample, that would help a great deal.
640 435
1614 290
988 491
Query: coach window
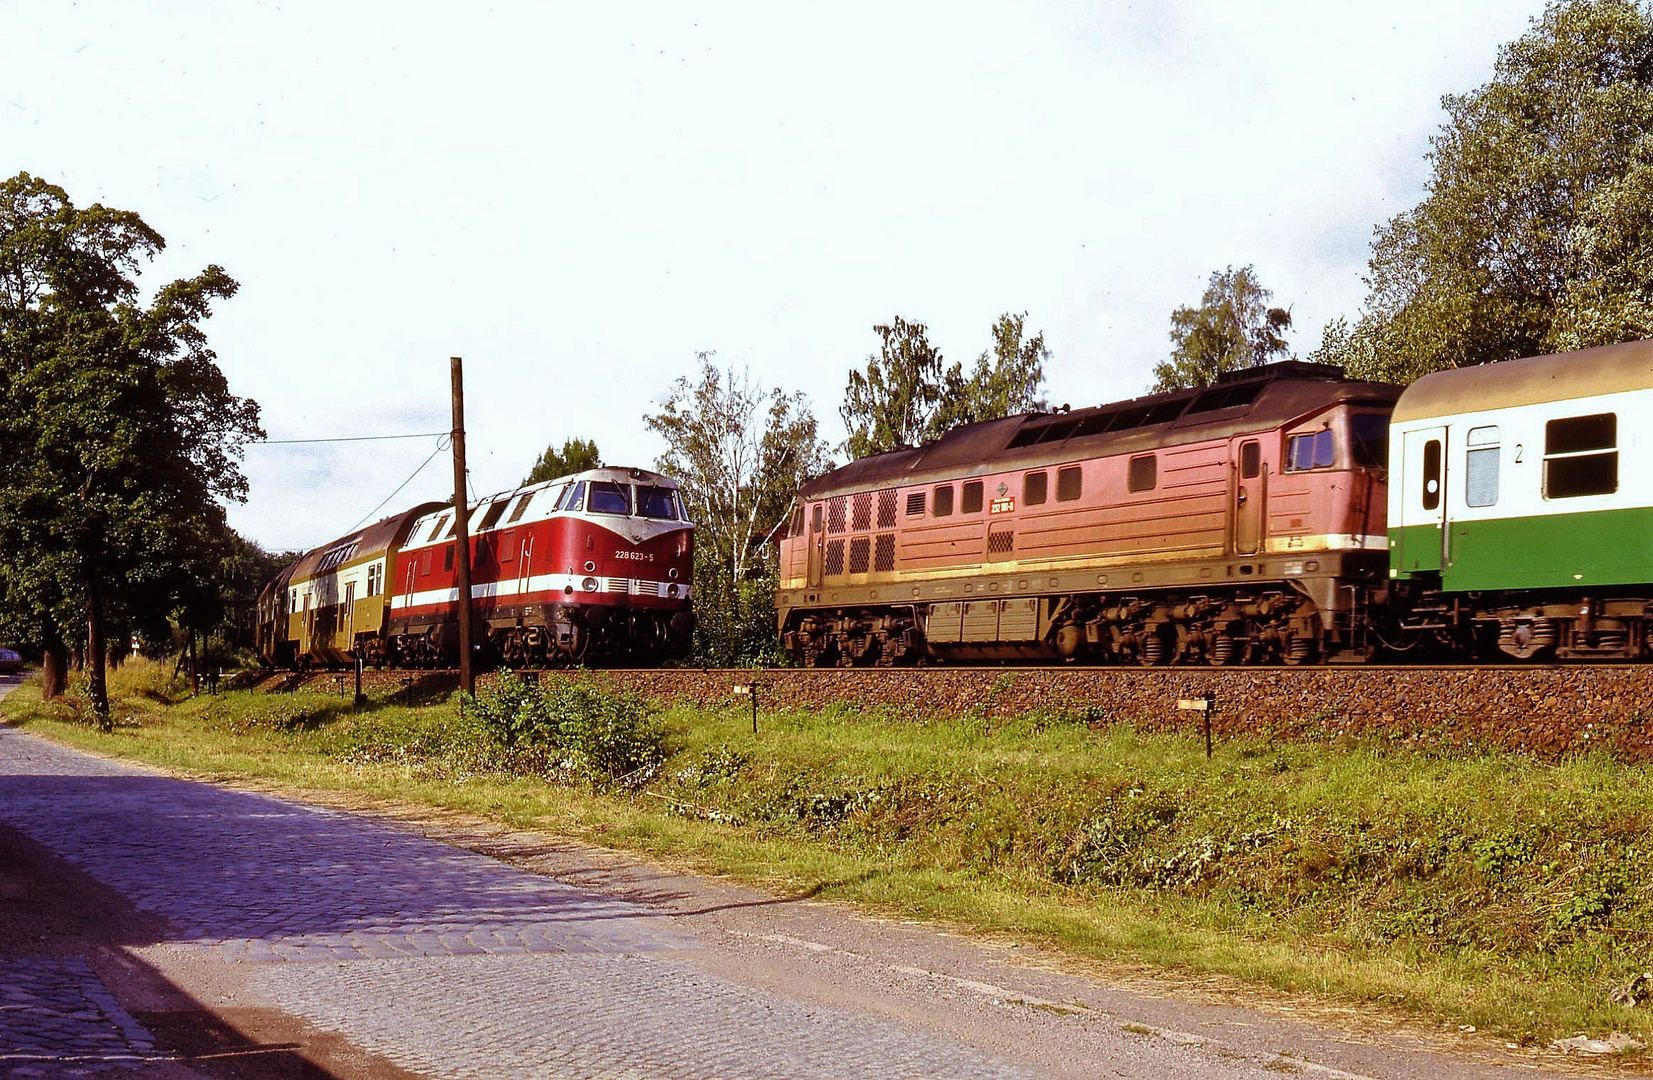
1035 488
1314 450
942 504
1143 473
1581 456
1481 467
1070 483
970 499
1432 474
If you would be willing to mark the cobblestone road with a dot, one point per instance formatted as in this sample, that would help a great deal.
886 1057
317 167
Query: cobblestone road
448 964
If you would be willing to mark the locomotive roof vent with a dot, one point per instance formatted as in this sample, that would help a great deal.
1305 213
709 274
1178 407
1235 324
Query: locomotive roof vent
1296 369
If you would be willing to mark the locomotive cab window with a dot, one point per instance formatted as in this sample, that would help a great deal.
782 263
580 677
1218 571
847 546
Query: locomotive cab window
573 498
657 502
1369 440
1481 466
1581 456
970 499
1142 474
815 518
1035 488
1069 483
1251 460
608 497
1311 450
942 504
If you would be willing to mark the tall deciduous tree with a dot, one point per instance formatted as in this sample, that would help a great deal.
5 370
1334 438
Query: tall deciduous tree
908 395
120 430
1233 328
740 452
576 455
1536 235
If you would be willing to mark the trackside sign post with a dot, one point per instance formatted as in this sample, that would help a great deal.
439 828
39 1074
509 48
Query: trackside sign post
1205 706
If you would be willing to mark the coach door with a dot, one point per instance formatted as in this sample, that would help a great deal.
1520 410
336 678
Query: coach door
1250 494
1420 537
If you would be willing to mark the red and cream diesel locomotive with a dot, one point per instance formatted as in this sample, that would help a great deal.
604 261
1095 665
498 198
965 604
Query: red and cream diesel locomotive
1242 522
590 568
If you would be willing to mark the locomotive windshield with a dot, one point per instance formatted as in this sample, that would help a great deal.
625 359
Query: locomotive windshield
657 502
608 497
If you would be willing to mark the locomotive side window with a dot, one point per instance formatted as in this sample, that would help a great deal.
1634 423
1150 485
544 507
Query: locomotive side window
447 558
1251 460
942 505
1143 473
1581 456
518 510
436 530
970 500
1432 474
1369 440
1481 466
608 497
573 498
1035 488
495 511
1310 451
1070 483
915 503
816 518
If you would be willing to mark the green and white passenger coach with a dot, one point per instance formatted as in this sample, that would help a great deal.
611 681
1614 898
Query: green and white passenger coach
1521 504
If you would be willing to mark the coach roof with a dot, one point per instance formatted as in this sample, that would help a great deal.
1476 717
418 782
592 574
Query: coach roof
1510 383
1256 399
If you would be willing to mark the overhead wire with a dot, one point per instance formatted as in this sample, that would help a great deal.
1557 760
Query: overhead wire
442 444
348 438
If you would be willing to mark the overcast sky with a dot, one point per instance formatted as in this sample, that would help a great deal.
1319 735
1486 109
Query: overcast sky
579 197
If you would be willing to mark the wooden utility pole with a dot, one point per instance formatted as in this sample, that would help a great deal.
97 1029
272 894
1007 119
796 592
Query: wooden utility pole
461 528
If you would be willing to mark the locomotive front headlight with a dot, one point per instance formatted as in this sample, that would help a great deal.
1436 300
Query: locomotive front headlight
590 567
589 584
671 592
672 573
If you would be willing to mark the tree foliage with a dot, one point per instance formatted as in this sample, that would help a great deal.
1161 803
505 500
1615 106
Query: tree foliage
120 431
1233 328
576 455
740 452
908 395
1536 234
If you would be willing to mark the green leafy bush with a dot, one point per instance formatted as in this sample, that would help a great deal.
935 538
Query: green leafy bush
590 731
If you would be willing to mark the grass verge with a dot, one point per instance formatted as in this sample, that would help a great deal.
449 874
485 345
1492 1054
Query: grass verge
1491 891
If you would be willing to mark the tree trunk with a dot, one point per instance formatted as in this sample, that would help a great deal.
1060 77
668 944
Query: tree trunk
54 663
96 688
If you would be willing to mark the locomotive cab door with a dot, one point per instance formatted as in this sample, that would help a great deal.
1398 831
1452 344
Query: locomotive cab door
1250 495
1420 539
817 545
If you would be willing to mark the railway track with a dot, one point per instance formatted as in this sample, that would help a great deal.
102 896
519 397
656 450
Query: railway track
1549 711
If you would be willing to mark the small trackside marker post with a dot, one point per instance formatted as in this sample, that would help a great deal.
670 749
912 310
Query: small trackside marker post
361 698
751 690
1206 706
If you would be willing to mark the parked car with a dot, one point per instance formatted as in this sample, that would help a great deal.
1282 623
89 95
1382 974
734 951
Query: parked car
10 660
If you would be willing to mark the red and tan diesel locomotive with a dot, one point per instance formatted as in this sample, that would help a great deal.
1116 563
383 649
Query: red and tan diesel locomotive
1243 522
590 568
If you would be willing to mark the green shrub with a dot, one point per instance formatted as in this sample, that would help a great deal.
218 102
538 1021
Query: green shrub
592 732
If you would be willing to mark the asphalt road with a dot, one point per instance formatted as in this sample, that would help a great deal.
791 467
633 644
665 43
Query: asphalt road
164 929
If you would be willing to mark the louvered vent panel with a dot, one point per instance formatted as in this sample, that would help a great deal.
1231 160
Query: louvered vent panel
886 509
883 553
915 502
860 554
835 515
861 516
834 558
